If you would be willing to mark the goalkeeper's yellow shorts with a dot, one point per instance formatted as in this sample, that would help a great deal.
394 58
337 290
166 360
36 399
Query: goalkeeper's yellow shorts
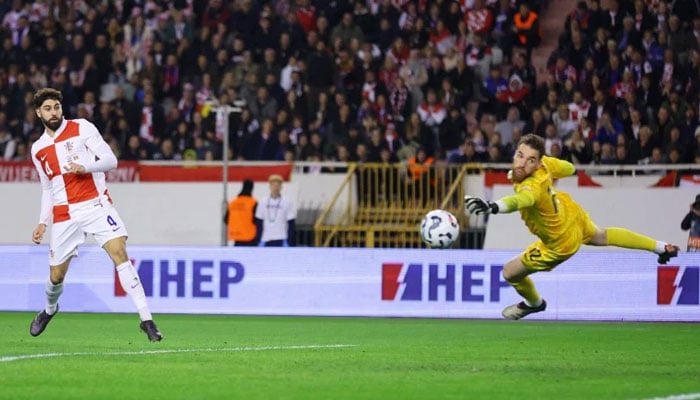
542 257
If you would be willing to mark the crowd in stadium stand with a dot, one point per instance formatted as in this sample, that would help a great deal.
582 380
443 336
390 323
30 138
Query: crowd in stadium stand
369 80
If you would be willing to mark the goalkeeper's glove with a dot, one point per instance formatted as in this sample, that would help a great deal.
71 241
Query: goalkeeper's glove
478 206
509 175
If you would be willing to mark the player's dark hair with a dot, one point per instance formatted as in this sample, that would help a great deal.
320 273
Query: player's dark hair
534 141
42 95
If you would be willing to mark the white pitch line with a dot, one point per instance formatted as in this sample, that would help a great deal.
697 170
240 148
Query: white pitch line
687 396
170 351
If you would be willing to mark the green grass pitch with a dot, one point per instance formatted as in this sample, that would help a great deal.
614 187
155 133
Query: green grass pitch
105 356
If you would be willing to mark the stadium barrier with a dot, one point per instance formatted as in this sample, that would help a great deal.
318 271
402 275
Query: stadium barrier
617 286
182 203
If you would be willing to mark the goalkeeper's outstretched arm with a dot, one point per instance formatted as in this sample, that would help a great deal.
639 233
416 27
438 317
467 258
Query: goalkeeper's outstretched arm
514 202
506 204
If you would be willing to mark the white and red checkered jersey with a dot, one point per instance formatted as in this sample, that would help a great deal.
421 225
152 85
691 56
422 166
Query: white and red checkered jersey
578 111
75 141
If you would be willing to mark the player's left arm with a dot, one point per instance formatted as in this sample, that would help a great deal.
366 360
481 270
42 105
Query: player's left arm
104 158
558 168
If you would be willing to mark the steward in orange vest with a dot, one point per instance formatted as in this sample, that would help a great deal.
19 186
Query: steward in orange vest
527 28
240 217
419 164
421 186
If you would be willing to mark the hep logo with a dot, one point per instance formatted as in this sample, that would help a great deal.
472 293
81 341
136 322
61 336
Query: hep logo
392 279
678 285
467 283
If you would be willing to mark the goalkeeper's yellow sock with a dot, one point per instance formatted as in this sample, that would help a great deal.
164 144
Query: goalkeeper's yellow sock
526 289
622 237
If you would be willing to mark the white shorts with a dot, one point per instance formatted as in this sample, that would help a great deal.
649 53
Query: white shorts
91 217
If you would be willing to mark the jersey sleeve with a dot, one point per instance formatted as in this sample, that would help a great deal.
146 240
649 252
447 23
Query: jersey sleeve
521 199
104 158
558 168
46 198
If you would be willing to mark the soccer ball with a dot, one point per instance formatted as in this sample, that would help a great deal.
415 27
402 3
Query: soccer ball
439 229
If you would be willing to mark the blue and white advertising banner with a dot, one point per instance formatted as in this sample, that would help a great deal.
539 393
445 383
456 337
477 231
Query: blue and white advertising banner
595 285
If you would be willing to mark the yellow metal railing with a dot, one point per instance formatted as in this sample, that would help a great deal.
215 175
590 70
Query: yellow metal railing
386 202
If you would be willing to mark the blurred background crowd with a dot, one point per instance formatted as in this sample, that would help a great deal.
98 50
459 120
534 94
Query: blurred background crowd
358 80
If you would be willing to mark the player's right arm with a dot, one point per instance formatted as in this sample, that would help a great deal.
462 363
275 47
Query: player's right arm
514 202
525 196
46 201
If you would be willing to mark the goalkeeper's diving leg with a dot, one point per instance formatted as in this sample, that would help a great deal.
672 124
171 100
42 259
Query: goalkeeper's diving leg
515 273
621 237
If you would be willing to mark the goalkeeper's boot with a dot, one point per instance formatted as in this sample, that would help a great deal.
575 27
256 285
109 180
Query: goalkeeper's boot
149 327
670 251
520 310
40 321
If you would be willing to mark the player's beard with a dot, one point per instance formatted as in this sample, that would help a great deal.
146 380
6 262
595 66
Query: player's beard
518 175
53 124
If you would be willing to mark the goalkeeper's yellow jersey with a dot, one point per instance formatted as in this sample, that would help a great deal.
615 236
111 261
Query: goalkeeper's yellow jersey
547 213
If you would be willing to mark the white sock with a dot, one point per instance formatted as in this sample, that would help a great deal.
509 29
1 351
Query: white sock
535 304
53 292
660 247
129 279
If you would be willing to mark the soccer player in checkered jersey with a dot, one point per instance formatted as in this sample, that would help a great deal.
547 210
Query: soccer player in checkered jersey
71 158
559 222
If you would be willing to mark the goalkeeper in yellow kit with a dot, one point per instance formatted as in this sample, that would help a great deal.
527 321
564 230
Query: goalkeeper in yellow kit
560 223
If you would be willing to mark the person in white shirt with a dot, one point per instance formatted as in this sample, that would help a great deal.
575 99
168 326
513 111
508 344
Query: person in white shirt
71 158
276 215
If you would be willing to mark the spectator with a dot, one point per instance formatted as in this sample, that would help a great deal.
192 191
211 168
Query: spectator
577 148
453 130
467 154
493 86
608 128
512 121
691 223
167 151
432 112
8 144
535 125
515 94
322 77
263 106
551 137
563 122
441 38
347 30
152 128
526 71
479 56
415 75
642 148
416 135
503 27
464 81
134 151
